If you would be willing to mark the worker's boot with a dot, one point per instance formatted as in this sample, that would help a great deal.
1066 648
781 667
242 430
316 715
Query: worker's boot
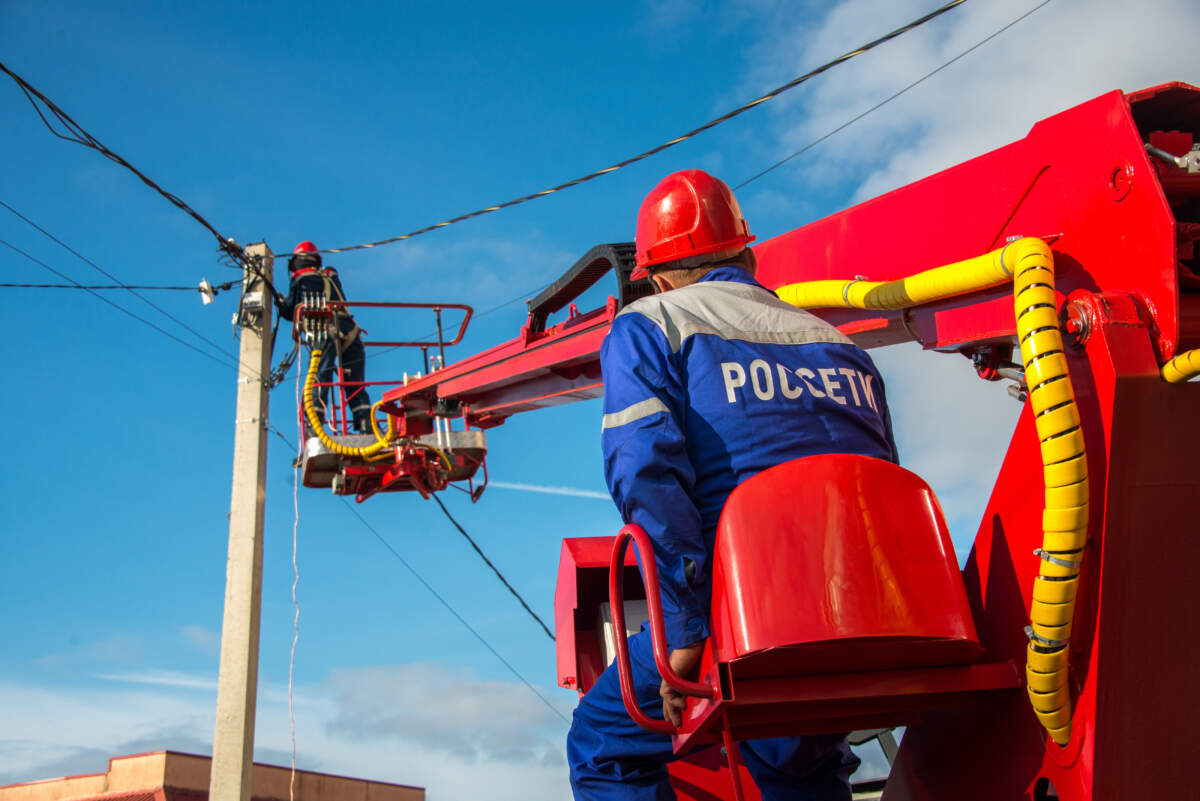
362 421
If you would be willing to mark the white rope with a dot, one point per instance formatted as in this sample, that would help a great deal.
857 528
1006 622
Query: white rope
295 603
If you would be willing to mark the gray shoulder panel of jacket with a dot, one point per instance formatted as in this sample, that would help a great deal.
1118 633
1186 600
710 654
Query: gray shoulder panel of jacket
732 311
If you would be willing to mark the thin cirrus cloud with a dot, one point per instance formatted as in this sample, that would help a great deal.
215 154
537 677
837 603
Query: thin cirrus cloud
551 490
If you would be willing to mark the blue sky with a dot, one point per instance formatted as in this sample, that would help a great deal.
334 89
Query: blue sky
290 121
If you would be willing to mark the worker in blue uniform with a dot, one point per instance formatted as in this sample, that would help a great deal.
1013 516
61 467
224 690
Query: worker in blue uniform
310 278
706 383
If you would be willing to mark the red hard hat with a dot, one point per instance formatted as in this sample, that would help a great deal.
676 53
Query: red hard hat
690 213
305 247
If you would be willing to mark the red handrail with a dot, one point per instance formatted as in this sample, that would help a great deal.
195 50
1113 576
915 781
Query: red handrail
658 633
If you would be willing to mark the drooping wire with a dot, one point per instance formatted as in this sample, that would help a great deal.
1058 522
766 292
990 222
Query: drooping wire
892 97
78 134
495 569
831 133
670 143
453 611
132 290
119 307
143 287
408 566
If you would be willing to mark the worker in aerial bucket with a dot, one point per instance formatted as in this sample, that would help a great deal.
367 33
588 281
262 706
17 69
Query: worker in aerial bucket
309 278
706 383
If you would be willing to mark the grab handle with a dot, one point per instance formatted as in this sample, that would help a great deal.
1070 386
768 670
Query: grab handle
658 634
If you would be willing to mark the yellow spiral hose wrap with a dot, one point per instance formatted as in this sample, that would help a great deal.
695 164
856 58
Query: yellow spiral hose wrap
1183 367
1029 264
318 428
1065 517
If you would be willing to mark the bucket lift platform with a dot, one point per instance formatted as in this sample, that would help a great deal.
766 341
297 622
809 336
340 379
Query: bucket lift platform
417 448
322 468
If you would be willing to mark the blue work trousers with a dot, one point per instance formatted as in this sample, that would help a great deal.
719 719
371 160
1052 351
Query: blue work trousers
612 758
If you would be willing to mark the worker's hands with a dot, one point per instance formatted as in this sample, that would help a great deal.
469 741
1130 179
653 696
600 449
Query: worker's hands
682 661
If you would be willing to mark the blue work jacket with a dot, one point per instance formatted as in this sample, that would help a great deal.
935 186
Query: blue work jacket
707 385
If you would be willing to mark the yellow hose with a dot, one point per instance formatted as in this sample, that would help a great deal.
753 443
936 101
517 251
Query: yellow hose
1065 517
1183 367
941 282
1030 265
372 452
314 422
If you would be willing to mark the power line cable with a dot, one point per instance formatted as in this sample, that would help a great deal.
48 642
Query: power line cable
112 286
838 129
670 143
432 591
453 611
132 290
495 569
77 134
892 97
118 307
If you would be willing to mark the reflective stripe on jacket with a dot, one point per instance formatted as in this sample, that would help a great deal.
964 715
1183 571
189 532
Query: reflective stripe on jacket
707 385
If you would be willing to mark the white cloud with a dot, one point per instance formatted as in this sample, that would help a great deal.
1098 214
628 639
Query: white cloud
1062 55
118 648
551 490
429 725
447 709
162 678
204 640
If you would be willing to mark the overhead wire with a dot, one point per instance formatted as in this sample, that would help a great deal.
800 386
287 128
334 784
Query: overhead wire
144 287
671 142
454 612
838 129
132 290
119 307
495 569
891 97
80 136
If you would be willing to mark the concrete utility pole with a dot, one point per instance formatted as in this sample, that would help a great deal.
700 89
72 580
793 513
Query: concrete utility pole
237 686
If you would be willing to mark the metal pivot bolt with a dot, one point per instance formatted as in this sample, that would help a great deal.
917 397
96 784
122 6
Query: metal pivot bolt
1077 323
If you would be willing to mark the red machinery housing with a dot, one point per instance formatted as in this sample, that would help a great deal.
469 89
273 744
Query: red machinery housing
1123 227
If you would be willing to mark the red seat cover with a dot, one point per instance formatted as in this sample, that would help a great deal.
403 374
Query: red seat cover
837 562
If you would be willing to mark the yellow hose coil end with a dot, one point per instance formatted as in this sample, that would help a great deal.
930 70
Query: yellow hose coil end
1183 367
1060 736
1054 592
1055 719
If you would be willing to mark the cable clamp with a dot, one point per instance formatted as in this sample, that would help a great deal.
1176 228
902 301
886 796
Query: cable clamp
846 288
1045 642
1046 556
262 420
247 379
